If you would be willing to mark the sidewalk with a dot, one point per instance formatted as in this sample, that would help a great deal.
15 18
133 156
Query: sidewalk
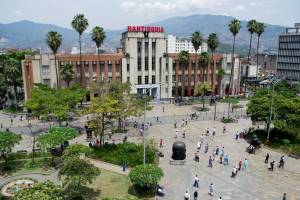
108 166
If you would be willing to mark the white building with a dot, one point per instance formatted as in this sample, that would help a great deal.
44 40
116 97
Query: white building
144 49
175 45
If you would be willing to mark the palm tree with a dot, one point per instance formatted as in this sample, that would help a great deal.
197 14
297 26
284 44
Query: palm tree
204 60
234 28
67 73
98 36
251 25
196 41
201 89
221 74
259 29
80 24
183 58
54 40
213 44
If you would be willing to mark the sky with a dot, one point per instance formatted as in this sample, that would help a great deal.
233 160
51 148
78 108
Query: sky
117 14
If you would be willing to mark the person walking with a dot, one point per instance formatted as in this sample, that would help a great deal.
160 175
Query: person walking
222 151
226 160
217 150
207 132
281 162
240 165
221 158
195 195
272 165
206 148
186 122
210 162
161 143
211 190
196 181
224 129
186 195
245 165
284 196
267 158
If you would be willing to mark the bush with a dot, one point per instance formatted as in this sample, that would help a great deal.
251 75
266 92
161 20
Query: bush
286 142
228 120
145 177
131 153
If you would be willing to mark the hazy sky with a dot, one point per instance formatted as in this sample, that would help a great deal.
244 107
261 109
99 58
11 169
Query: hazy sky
116 14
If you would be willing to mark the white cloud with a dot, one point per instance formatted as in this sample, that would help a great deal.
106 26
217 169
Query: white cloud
17 12
238 8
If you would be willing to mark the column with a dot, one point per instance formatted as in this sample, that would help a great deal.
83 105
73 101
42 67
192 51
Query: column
74 63
176 77
91 80
214 75
83 74
202 73
189 78
98 70
207 72
182 80
106 70
196 69
113 70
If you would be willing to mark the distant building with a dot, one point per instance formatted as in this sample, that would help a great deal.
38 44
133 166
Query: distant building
175 45
288 61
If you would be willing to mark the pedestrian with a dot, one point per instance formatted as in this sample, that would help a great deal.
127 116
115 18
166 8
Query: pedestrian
237 135
195 195
182 123
201 138
210 162
124 166
176 134
245 165
196 181
284 196
240 165
186 195
221 158
199 145
217 151
220 198
175 125
206 148
267 158
224 129
21 118
211 190
157 119
141 132
214 131
161 143
186 122
207 131
11 121
272 165
222 151
226 160
281 162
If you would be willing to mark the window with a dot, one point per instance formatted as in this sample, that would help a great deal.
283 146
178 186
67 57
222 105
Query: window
153 63
153 79
167 78
45 70
146 79
47 82
128 67
139 80
139 63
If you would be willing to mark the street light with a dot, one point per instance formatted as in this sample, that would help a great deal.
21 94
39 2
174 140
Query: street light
274 82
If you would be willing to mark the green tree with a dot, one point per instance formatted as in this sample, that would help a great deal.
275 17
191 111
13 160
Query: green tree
146 177
201 89
234 28
103 110
78 172
75 150
259 29
54 40
251 26
80 24
184 58
43 191
204 60
196 41
7 141
55 137
67 73
213 44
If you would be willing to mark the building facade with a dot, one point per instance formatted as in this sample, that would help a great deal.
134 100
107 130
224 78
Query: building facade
142 61
175 45
288 60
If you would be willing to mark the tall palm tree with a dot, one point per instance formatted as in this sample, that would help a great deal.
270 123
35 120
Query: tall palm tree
54 40
251 25
204 60
183 58
234 28
221 74
259 29
196 41
80 24
213 44
98 36
67 73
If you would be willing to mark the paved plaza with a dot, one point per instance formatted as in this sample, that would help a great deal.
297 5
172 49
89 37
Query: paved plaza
257 183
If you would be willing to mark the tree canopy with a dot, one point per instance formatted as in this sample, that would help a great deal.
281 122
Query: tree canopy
7 142
42 191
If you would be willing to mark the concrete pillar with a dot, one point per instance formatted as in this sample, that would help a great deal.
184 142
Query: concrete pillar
113 70
91 80
176 77
189 78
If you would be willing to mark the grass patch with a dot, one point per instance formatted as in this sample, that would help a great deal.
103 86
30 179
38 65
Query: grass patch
228 120
15 167
112 186
131 153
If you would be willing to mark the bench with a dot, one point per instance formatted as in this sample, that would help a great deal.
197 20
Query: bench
177 162
22 151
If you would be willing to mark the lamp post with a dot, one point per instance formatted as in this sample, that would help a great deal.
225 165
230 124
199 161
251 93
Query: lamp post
276 81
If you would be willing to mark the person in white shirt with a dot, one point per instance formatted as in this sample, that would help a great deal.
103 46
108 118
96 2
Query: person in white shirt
186 195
